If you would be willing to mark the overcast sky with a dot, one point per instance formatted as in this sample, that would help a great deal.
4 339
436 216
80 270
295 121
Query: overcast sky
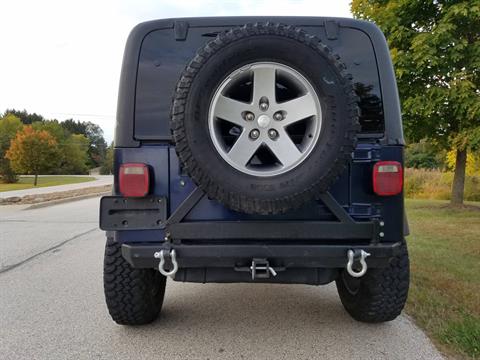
62 58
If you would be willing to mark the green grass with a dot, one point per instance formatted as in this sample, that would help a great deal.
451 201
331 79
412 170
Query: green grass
444 295
26 182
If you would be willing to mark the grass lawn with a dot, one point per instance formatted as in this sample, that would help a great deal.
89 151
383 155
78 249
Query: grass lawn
26 182
444 296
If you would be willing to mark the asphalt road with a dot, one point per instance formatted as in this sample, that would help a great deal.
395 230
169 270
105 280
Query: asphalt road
52 307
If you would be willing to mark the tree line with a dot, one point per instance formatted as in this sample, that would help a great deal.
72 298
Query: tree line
31 144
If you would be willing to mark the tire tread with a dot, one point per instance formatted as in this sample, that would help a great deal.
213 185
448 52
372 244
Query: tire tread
128 291
382 293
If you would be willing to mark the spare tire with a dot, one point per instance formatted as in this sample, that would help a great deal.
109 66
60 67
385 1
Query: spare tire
264 118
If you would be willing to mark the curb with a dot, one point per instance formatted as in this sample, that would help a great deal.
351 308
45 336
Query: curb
66 200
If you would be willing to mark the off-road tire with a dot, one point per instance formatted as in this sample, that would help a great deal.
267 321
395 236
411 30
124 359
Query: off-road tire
382 292
133 296
288 45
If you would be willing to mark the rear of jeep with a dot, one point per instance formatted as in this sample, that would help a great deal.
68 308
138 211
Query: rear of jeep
262 150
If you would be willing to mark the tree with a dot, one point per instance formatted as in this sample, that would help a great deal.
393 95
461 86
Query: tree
61 137
75 127
98 145
107 166
25 117
435 47
33 152
473 162
75 157
54 128
94 133
9 125
423 155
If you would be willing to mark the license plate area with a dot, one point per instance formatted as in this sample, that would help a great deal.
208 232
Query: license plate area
119 213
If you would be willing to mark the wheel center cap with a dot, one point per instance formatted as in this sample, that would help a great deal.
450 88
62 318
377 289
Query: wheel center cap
263 121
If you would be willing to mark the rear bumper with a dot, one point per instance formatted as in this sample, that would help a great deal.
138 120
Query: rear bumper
285 256
300 251
294 264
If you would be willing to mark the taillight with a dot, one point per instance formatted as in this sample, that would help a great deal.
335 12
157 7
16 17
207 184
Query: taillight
134 180
387 178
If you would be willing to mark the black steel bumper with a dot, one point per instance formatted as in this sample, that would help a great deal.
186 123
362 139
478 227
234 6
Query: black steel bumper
288 256
294 264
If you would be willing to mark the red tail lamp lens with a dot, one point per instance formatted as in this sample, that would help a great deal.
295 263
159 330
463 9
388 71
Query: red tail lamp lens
134 180
387 178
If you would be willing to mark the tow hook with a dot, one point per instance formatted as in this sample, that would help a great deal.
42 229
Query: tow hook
161 266
353 256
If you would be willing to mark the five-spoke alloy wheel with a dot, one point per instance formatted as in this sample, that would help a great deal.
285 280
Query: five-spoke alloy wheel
273 131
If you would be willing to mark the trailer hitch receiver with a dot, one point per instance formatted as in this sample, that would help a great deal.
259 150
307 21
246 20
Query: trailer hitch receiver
261 269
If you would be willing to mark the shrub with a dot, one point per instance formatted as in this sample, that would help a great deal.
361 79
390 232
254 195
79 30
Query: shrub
424 155
437 185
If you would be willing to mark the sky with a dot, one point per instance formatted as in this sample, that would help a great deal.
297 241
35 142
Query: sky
62 59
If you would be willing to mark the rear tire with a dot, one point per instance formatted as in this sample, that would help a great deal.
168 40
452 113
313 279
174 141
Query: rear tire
133 296
380 294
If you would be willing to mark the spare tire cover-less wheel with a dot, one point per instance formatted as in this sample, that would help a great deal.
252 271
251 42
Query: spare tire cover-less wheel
264 118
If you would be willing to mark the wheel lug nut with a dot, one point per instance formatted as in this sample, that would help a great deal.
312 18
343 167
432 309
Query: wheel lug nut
273 134
263 106
278 116
254 134
249 116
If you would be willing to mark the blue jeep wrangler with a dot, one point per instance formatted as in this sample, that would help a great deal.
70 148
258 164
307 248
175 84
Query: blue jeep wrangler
262 150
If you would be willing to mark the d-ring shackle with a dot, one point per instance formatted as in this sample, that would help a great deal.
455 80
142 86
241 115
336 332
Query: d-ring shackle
351 255
161 266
